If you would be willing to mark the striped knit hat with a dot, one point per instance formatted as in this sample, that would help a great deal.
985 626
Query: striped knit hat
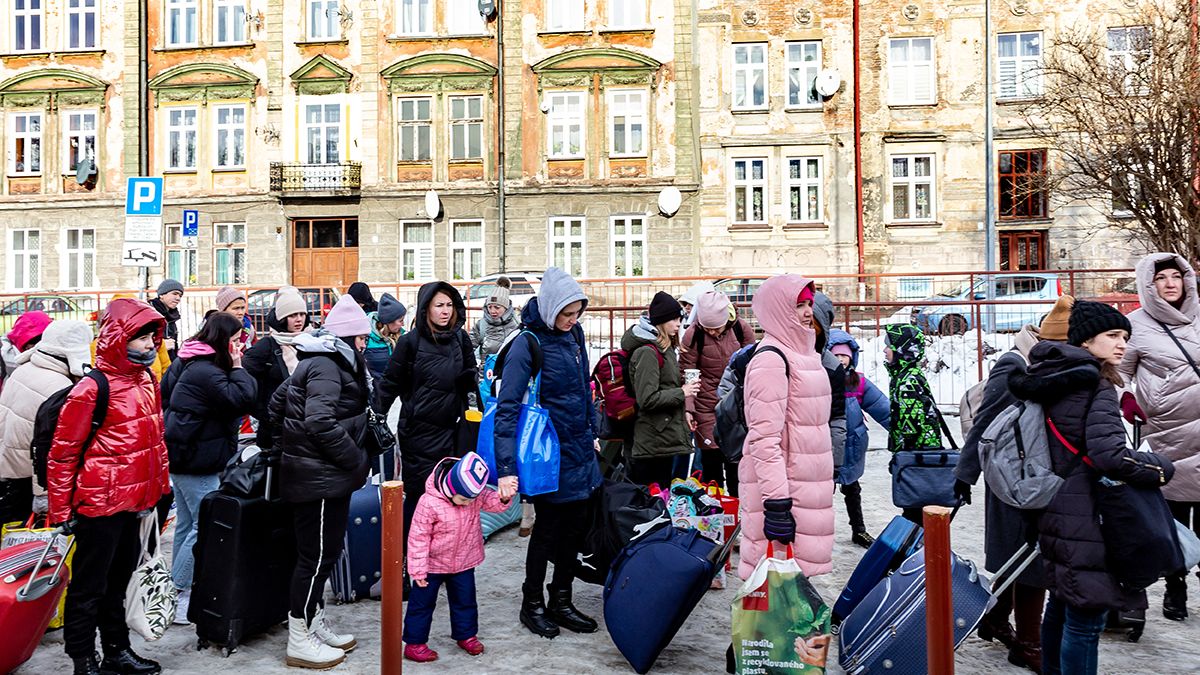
467 477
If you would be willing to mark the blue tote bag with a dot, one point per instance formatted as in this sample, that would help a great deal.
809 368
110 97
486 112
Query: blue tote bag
537 444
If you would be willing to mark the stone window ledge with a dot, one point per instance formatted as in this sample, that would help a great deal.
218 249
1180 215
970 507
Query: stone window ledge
750 227
319 43
793 227
923 224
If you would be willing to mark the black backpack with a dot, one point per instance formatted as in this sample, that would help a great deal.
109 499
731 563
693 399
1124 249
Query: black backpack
45 422
730 429
699 334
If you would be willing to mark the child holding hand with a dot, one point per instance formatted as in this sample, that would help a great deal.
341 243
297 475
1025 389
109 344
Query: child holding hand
445 545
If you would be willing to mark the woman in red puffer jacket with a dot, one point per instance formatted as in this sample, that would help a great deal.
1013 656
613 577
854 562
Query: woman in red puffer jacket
99 490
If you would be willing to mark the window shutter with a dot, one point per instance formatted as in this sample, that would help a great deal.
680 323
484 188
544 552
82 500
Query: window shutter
922 83
424 269
898 76
1008 78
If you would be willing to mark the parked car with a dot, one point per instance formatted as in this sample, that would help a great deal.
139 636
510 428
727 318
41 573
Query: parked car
1036 293
319 301
525 285
57 306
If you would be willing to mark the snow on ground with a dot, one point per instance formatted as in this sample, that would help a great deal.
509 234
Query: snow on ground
951 361
1167 648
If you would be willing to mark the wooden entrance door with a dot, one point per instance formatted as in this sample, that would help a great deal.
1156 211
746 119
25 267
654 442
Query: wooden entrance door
1021 251
324 252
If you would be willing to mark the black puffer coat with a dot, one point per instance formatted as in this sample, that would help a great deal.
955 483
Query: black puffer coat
202 408
320 415
264 361
432 375
172 330
1066 381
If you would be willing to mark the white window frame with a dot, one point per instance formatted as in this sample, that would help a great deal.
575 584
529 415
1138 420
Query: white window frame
229 17
628 105
904 75
76 137
468 126
188 275
627 265
409 131
803 70
229 135
747 186
909 183
33 20
422 252
914 288
26 259
74 259
1127 58
567 242
467 250
415 17
743 75
463 18
1019 76
78 15
562 120
803 183
32 141
229 237
323 24
182 16
625 14
564 15
178 134
325 130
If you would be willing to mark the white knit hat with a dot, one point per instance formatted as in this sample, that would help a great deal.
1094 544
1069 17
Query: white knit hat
71 340
288 301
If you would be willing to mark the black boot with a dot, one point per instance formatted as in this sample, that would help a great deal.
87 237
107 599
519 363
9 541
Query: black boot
1175 599
535 617
564 613
126 662
87 665
862 538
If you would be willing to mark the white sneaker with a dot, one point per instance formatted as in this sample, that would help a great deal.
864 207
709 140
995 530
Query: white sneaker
181 608
324 633
305 649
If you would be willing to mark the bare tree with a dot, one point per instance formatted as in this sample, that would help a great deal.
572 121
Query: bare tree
1121 114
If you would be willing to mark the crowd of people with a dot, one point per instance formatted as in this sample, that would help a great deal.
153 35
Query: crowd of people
172 408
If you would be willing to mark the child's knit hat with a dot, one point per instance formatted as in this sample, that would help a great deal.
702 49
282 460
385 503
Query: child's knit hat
467 477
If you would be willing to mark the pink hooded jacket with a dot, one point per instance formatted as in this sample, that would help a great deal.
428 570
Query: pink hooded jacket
446 538
788 454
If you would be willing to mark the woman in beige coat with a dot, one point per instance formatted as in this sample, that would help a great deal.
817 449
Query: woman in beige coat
1162 360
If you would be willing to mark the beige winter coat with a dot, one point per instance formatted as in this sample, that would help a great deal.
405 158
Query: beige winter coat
38 376
1166 386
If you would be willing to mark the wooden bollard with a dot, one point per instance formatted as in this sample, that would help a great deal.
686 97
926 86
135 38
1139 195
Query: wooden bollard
391 632
939 598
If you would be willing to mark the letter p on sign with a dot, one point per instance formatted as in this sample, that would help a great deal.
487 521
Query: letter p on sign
143 196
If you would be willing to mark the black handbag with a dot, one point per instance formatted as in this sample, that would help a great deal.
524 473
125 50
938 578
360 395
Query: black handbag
380 438
246 479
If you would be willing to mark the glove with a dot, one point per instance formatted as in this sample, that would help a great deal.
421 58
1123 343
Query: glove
962 491
1130 409
778 523
67 526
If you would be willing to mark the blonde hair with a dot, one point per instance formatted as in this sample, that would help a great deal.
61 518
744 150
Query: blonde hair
664 342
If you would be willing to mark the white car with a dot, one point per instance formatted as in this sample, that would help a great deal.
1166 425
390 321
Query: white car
525 285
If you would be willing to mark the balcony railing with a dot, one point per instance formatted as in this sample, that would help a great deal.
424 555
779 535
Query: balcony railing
342 178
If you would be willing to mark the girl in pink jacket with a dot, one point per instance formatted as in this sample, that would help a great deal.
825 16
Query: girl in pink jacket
445 545
786 471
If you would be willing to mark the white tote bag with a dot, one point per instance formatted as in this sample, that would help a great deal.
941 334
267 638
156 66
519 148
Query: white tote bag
150 599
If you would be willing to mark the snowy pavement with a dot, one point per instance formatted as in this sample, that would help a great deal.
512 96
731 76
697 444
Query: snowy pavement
1167 648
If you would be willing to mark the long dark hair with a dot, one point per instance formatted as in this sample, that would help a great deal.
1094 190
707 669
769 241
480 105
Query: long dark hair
216 332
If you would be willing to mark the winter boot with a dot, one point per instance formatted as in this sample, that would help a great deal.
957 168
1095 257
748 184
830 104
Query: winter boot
852 493
526 521
535 617
182 600
1026 652
471 645
123 661
305 649
324 632
87 665
862 538
564 613
420 653
995 625
1175 599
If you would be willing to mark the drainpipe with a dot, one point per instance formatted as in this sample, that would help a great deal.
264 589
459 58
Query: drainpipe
501 136
860 237
143 110
989 218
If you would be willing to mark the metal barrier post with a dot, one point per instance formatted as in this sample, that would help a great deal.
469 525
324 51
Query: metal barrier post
392 615
939 608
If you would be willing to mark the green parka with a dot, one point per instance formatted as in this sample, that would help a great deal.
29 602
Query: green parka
661 428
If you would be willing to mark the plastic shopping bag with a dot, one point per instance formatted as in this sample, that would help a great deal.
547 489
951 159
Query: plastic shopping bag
537 447
150 598
780 622
485 447
12 534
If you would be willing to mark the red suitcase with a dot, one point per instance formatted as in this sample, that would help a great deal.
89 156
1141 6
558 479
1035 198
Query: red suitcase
28 598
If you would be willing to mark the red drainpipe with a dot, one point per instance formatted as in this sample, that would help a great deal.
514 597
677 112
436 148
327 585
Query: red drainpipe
858 181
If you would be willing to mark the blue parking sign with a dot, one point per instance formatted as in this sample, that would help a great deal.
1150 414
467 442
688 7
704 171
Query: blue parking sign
191 223
143 196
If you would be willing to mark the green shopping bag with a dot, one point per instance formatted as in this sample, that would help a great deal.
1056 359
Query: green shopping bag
780 622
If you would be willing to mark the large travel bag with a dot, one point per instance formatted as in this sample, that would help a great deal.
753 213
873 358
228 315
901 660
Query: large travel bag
886 632
359 568
623 513
899 540
654 585
32 579
245 552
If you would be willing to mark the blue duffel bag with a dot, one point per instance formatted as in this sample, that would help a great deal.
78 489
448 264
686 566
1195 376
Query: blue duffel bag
899 540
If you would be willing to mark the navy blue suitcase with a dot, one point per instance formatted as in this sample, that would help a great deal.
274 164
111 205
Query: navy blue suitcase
667 570
358 570
899 540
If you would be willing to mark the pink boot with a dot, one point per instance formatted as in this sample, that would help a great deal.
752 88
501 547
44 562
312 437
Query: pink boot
420 653
472 646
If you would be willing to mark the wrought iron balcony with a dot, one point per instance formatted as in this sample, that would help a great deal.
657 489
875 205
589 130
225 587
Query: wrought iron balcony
342 178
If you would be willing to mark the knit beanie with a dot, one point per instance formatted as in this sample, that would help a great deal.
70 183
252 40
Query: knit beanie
807 293
169 285
347 319
1089 319
1054 326
500 297
664 308
1171 263
288 301
27 328
390 309
227 296
842 349
362 294
467 477
712 310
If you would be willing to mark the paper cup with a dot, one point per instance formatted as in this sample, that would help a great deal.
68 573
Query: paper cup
691 375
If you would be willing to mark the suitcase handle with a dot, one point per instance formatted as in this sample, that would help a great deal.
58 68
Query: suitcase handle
42 561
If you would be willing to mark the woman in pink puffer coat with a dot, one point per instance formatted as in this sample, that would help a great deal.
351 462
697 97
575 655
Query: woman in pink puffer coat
786 472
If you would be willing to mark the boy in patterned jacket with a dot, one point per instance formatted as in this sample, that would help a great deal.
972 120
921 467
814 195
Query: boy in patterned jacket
914 415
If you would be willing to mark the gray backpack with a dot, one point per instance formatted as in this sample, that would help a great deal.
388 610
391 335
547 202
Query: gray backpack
1014 452
970 404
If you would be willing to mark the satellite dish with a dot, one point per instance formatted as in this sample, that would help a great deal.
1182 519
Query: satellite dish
487 8
545 105
669 200
84 170
433 204
828 82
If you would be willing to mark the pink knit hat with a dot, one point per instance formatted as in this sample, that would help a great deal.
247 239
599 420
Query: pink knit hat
347 319
712 310
842 349
227 296
28 326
